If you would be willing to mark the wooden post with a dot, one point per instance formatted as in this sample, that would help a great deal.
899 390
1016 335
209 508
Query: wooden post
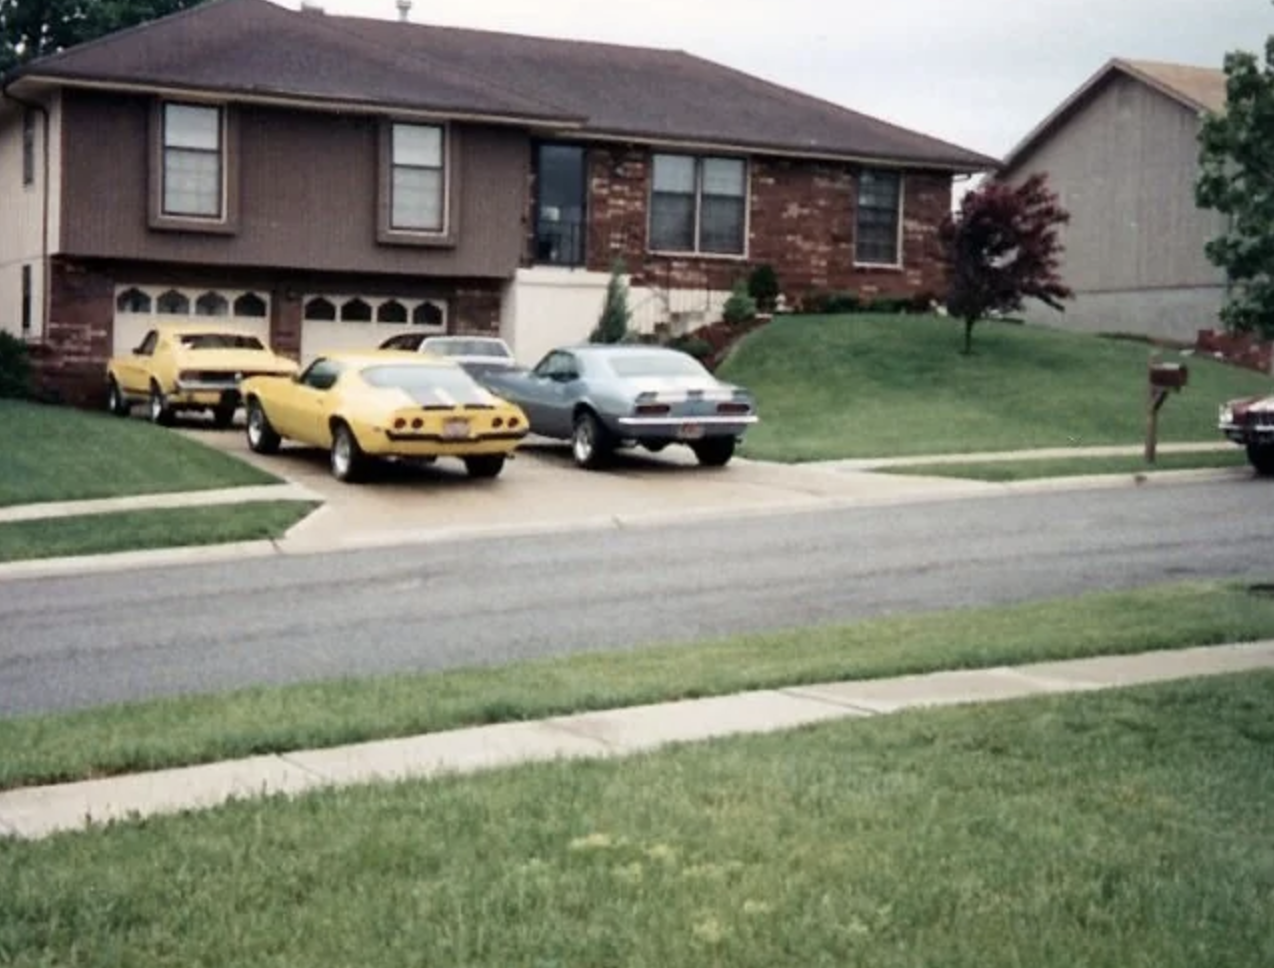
1157 397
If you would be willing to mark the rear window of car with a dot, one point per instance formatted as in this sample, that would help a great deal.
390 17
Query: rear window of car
219 341
466 347
422 377
654 364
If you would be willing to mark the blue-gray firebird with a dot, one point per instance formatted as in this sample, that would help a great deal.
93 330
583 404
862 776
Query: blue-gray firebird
604 396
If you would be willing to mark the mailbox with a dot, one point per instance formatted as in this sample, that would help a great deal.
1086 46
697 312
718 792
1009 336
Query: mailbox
1169 376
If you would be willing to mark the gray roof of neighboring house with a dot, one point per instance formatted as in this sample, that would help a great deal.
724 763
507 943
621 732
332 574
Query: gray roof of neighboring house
254 47
1198 89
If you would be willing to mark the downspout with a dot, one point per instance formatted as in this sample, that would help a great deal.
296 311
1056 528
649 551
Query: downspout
46 282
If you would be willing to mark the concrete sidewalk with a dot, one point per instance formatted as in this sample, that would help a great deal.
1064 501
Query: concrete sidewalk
38 812
146 502
996 456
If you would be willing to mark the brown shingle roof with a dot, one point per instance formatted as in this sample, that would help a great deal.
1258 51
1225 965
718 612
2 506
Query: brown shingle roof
1199 87
254 46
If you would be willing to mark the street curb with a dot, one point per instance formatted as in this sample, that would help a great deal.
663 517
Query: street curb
289 546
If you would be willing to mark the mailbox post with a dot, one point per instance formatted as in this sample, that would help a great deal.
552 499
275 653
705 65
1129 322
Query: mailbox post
1164 378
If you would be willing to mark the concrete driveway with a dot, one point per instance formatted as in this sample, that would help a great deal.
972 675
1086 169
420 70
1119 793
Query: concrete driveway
541 489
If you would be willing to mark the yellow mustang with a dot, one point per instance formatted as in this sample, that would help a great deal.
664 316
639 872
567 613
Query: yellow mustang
381 403
189 367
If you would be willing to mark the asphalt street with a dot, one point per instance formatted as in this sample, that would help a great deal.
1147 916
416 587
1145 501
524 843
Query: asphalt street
76 642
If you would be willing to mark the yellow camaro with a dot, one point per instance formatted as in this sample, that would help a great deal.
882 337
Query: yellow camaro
189 367
381 403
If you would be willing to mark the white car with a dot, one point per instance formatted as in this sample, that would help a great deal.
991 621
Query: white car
478 355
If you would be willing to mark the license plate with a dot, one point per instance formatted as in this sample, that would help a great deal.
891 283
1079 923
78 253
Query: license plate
455 429
691 431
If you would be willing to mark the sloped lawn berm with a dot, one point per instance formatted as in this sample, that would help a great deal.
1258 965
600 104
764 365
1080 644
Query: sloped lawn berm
832 387
61 454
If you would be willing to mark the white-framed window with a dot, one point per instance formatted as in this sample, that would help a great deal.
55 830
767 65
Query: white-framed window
417 178
193 140
357 310
699 205
169 302
878 219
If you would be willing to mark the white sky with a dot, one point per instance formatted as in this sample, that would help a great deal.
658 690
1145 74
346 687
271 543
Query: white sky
980 73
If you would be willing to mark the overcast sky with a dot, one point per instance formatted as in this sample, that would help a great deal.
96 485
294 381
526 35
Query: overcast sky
980 73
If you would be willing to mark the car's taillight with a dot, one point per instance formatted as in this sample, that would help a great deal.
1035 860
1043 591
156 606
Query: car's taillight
733 408
653 409
417 424
514 422
400 423
497 422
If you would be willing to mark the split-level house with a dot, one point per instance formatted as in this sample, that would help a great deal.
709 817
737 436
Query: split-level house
331 180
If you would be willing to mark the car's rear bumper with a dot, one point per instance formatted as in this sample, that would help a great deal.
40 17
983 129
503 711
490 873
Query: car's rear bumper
392 444
683 428
1247 433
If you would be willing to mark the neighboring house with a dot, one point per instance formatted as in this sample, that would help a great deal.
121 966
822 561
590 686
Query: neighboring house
1123 154
331 180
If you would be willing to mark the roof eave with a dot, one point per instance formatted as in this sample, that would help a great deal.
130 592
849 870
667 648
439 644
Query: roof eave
955 166
300 101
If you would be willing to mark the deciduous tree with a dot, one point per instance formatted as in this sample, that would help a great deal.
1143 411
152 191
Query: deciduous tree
1236 178
1002 247
34 28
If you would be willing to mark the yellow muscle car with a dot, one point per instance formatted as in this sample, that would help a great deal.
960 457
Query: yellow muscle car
384 404
189 367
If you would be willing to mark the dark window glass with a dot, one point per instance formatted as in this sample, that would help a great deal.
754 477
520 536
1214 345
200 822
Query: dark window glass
560 205
876 229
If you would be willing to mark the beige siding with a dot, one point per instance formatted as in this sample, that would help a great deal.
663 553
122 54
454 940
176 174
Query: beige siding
1124 166
22 218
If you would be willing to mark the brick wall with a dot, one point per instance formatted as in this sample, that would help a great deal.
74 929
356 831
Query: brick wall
801 222
70 359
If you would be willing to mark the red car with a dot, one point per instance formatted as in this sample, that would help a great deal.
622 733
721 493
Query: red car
1249 422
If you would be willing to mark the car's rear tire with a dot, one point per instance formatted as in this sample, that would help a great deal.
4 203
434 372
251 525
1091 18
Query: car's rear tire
1261 457
591 444
157 408
262 438
349 463
223 417
116 402
715 451
484 466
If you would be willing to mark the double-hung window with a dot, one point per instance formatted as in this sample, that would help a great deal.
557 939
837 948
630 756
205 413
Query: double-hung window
877 232
194 161
417 179
699 205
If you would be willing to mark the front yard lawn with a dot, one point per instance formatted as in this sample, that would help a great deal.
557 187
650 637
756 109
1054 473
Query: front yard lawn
832 387
1035 468
96 534
61 454
197 729
1121 829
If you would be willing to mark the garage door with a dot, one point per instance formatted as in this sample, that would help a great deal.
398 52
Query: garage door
332 323
139 308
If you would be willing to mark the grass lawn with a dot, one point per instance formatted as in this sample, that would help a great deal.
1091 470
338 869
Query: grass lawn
61 454
880 386
96 534
187 730
1026 470
1114 830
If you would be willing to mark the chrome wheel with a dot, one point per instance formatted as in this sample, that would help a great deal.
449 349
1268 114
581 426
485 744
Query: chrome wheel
342 454
584 442
256 427
262 438
158 410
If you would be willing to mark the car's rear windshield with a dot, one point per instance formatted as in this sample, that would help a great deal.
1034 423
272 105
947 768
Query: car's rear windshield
220 341
466 347
446 377
654 364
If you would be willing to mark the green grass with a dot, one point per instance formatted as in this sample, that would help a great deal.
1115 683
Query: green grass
61 454
186 730
1032 469
1127 829
873 386
98 534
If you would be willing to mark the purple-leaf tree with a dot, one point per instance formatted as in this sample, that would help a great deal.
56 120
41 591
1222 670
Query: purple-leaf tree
1001 248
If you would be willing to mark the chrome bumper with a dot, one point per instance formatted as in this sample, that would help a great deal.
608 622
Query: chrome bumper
672 424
